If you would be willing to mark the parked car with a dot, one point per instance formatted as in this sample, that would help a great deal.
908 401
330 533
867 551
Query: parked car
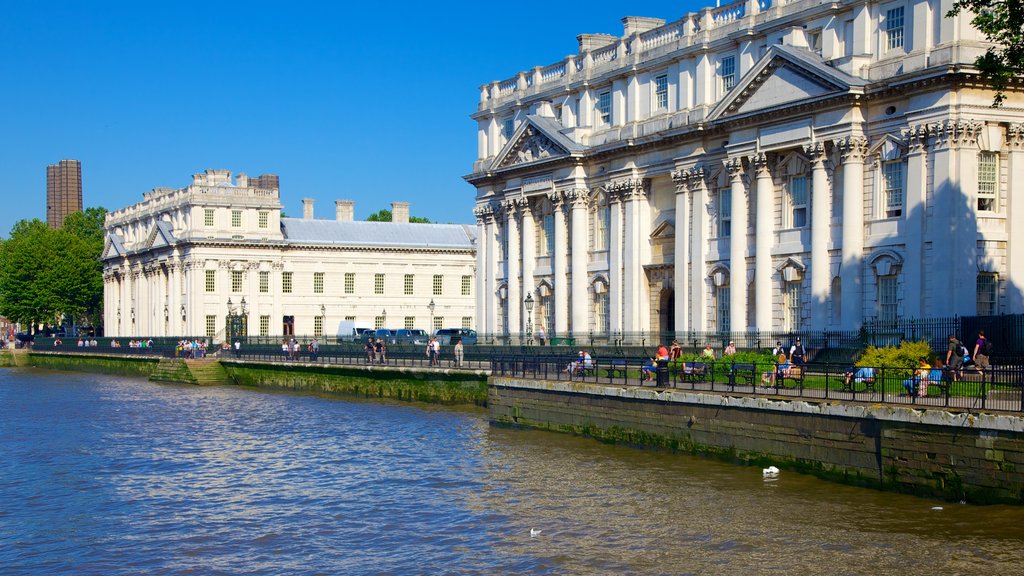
449 336
388 336
363 333
411 336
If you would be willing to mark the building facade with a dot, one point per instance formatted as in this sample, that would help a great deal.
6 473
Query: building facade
798 165
190 261
63 191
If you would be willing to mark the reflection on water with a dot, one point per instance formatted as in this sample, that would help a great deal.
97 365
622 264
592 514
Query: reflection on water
121 476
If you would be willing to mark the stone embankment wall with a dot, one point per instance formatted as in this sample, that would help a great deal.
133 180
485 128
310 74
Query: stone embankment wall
978 458
94 363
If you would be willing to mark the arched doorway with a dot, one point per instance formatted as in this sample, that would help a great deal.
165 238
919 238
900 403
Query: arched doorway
667 311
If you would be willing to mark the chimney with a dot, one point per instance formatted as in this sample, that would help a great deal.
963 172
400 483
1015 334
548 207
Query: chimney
344 210
307 208
400 212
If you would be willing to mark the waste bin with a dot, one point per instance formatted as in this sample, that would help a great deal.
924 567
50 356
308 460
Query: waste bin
662 373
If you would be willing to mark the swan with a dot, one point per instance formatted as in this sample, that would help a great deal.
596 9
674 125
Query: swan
770 472
534 532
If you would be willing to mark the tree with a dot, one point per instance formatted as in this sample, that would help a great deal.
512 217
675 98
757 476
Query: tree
384 215
1002 22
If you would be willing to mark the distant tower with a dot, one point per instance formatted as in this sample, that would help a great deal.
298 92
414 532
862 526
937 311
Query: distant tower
63 191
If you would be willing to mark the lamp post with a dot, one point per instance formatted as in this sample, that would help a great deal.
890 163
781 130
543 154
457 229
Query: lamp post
167 318
323 321
528 302
431 307
384 316
182 319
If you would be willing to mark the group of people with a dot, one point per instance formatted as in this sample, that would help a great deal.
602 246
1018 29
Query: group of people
376 351
650 368
583 362
190 348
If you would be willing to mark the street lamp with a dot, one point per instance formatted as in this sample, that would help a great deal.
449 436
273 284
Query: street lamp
245 309
431 307
384 316
167 312
529 314
133 314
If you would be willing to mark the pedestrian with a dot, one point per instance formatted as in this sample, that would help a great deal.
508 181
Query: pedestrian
238 349
797 354
982 350
458 353
730 349
778 350
709 352
675 351
954 357
435 351
284 348
314 350
369 350
540 335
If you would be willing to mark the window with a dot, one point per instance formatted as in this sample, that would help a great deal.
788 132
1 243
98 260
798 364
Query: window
236 218
892 187
208 216
722 308
378 283
467 322
211 326
467 282
602 223
988 181
408 284
264 219
350 282
264 325
318 282
887 305
410 322
601 312
604 107
438 322
988 285
797 195
264 281
352 318
724 213
508 128
727 71
318 326
211 280
286 282
378 322
438 284
236 280
792 305
547 314
546 238
661 92
894 28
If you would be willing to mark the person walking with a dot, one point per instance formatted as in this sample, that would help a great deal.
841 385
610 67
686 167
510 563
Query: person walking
954 357
238 349
458 353
982 350
540 335
314 350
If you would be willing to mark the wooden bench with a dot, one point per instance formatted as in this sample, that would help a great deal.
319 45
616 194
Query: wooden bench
746 372
694 372
615 368
795 373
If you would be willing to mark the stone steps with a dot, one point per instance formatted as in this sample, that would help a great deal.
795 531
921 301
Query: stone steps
203 372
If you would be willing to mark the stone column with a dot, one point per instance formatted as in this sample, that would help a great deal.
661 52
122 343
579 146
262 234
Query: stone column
579 200
852 150
1015 213
559 272
681 250
914 213
737 247
482 284
174 300
513 264
821 232
491 297
698 250
615 264
529 262
764 232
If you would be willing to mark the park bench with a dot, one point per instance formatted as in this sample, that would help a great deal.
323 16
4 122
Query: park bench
745 372
694 372
795 373
867 381
616 367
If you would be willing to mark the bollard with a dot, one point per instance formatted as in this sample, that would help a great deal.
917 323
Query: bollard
662 373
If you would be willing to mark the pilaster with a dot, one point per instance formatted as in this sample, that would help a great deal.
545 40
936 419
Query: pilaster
559 266
738 246
763 239
578 200
852 150
821 199
1015 213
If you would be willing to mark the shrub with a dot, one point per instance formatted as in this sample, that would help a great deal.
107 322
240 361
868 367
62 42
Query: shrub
900 361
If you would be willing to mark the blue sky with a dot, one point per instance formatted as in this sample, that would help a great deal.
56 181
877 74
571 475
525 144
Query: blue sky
368 102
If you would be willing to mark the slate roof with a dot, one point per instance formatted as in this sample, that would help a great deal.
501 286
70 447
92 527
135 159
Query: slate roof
361 233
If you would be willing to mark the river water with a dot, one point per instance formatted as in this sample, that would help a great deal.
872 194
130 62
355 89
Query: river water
105 475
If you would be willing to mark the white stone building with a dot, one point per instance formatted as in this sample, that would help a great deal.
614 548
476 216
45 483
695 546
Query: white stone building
173 261
796 165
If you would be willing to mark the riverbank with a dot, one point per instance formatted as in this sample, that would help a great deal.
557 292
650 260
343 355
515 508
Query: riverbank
978 458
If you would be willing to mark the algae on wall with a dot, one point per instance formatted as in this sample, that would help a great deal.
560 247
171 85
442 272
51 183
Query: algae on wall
400 384
119 366
6 359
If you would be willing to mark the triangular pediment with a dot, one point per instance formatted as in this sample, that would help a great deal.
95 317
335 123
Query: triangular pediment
785 76
112 247
160 236
664 230
537 139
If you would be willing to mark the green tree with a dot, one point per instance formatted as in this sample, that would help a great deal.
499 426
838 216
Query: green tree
384 215
1002 22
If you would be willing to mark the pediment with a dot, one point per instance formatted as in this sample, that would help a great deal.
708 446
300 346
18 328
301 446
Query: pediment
112 247
160 236
537 139
664 230
785 75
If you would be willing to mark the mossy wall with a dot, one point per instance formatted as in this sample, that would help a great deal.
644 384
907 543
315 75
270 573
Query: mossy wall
116 365
422 385
6 359
951 456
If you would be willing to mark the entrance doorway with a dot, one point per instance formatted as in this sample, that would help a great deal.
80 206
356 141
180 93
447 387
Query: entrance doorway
289 326
667 308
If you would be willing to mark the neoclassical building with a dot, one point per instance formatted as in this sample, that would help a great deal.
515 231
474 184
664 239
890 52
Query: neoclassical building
174 262
764 165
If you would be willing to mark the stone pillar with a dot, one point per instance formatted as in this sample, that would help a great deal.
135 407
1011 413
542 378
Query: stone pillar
529 263
763 235
491 297
630 262
681 259
914 214
737 247
482 284
852 150
821 232
615 264
1015 213
513 264
579 200
698 250
559 272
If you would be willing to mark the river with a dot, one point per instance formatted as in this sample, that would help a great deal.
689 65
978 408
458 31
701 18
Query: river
107 475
